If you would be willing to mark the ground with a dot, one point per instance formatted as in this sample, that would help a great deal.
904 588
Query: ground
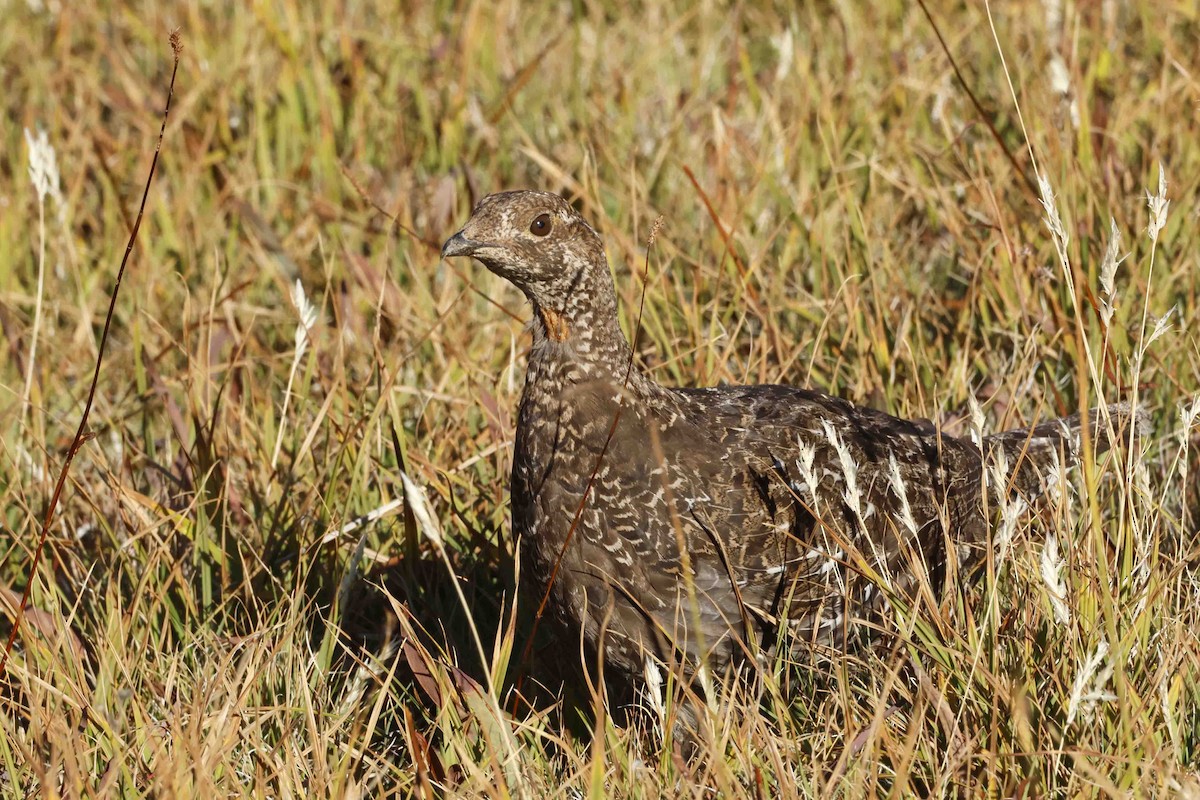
240 595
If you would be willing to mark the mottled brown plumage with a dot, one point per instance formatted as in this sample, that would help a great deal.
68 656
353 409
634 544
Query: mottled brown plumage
696 525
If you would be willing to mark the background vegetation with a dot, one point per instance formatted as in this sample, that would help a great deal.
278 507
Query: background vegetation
214 616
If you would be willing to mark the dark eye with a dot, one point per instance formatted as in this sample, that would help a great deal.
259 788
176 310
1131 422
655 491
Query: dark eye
541 226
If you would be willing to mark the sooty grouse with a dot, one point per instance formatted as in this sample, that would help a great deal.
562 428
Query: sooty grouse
686 524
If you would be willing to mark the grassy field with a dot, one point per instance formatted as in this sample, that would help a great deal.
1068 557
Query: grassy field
235 599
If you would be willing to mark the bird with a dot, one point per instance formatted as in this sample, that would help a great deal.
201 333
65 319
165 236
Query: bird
705 527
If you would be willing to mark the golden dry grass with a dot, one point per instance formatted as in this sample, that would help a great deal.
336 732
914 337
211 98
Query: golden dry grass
206 620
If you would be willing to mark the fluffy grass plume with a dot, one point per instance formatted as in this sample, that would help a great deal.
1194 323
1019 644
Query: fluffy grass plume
282 566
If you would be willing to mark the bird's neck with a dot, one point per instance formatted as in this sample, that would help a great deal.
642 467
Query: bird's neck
583 329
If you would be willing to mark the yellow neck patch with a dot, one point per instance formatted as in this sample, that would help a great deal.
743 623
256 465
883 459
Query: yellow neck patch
555 324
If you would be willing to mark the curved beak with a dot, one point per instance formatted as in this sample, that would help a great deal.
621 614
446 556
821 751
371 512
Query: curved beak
460 245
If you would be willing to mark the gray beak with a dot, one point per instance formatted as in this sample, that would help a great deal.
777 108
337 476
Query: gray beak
459 245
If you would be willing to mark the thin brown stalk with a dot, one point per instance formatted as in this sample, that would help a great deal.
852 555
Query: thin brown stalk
82 434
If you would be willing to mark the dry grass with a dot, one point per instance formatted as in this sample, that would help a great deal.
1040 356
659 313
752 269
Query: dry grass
208 621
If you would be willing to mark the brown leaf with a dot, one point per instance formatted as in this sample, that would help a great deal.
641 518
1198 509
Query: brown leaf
419 663
425 760
48 625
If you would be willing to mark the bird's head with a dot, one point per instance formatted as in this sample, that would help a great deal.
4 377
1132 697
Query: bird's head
536 241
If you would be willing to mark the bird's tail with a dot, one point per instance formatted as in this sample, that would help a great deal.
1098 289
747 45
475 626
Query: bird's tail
1029 456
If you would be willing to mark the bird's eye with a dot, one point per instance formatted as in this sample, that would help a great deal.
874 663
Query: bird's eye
541 225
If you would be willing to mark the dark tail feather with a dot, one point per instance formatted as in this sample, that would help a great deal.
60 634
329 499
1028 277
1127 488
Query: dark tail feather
1030 454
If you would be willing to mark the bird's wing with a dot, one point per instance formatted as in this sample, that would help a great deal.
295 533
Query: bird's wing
837 507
